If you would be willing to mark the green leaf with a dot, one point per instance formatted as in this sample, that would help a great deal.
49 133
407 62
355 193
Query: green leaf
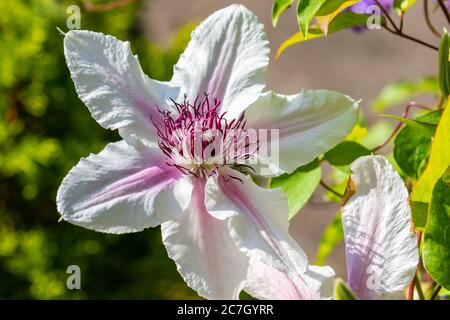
306 10
398 92
444 80
419 212
412 146
329 10
438 162
279 6
400 6
424 127
299 185
330 6
342 291
331 237
343 21
345 153
436 243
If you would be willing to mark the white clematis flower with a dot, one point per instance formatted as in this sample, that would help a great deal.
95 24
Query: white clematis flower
382 252
381 247
214 219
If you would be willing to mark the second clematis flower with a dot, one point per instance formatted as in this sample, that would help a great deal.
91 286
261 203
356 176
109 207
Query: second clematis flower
381 247
215 220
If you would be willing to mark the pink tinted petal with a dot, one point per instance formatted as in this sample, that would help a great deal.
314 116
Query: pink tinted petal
226 58
309 123
382 252
110 81
124 188
267 283
258 220
201 246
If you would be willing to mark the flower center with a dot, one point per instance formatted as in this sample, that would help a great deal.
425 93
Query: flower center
198 139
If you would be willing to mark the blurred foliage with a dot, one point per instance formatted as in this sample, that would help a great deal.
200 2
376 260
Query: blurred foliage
44 130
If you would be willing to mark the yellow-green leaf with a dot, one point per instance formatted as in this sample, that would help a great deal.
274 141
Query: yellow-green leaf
279 6
436 240
342 291
330 10
306 10
401 6
424 127
299 185
439 160
342 21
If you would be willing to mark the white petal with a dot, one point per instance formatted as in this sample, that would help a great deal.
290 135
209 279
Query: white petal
267 283
110 81
226 58
201 246
309 123
122 189
382 253
258 220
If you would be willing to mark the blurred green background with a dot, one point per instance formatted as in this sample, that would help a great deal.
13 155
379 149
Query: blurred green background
44 130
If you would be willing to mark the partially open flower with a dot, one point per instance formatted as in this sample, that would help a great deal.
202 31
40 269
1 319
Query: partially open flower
382 252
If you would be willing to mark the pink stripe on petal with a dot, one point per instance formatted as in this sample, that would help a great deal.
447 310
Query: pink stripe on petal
382 252
203 250
153 178
258 220
124 188
269 283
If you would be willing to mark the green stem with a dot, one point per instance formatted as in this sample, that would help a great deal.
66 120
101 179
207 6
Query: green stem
419 288
327 187
435 292
428 20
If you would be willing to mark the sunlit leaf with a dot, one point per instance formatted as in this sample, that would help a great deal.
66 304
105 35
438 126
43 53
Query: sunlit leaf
306 11
331 237
342 291
419 211
424 127
357 134
412 146
299 185
329 10
400 6
279 6
436 241
343 21
438 162
345 153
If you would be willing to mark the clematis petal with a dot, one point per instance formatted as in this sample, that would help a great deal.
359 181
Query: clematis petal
226 58
382 252
258 220
110 81
309 123
122 189
203 250
267 283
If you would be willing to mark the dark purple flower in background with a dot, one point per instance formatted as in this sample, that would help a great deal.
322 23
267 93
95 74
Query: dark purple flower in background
362 7
447 4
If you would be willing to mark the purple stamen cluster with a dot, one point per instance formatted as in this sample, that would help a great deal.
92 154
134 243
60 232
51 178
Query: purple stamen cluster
198 139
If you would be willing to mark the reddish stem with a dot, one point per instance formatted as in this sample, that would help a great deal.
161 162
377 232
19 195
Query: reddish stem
400 124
